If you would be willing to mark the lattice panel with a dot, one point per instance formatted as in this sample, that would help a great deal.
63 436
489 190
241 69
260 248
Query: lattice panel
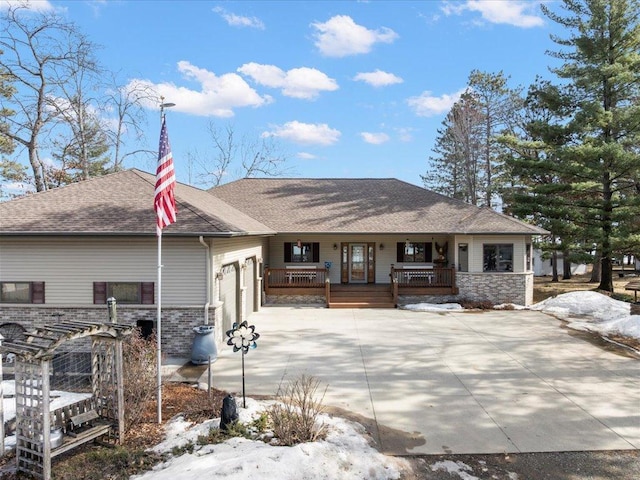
104 377
32 398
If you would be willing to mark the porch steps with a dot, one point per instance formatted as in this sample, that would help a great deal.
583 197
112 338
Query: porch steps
361 296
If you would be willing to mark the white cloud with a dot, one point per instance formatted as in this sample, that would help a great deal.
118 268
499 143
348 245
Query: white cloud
405 134
378 78
306 156
218 95
239 20
305 133
426 105
375 138
518 13
341 36
301 82
35 5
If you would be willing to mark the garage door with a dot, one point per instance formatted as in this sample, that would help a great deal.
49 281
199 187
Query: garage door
250 283
229 296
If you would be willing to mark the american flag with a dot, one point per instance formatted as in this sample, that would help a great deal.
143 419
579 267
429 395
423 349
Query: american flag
165 203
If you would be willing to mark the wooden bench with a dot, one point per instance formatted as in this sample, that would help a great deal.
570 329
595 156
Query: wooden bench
304 275
633 286
78 429
421 274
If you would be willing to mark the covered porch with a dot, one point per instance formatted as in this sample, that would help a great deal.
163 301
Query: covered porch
315 282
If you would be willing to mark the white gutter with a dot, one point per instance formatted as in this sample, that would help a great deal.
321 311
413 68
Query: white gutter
208 275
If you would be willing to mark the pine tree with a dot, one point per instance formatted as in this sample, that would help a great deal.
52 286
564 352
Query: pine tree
600 85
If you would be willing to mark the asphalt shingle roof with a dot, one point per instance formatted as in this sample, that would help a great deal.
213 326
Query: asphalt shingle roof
341 205
121 204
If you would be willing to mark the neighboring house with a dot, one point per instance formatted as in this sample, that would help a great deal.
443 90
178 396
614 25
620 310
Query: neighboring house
65 251
544 266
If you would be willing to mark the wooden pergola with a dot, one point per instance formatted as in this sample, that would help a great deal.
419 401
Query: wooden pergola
100 415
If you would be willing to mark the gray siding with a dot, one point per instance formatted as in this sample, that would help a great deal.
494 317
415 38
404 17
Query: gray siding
69 266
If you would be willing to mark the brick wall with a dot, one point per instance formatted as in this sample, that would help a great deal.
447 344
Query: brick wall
177 322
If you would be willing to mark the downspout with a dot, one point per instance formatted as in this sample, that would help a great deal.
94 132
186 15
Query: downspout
208 275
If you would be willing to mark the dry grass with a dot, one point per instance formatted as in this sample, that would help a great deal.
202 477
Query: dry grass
545 288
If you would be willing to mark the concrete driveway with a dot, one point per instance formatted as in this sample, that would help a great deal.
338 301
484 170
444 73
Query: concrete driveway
455 382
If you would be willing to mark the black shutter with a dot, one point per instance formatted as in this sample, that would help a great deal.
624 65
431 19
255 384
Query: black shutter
99 293
287 251
37 292
428 252
400 252
315 248
147 293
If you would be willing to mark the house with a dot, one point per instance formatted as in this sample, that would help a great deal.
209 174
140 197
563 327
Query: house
65 251
544 266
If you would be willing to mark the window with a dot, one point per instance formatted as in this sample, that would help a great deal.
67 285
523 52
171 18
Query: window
21 292
140 293
498 257
301 252
529 259
412 252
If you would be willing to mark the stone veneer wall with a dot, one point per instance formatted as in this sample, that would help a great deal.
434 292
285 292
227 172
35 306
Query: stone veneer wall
496 288
296 300
177 322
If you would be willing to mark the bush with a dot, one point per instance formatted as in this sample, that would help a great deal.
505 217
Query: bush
140 376
476 304
295 416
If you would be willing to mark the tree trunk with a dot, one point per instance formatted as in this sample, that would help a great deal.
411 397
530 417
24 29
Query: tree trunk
606 277
554 267
596 270
566 266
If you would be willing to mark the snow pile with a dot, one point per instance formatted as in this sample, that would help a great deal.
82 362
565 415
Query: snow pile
344 454
599 313
590 304
432 307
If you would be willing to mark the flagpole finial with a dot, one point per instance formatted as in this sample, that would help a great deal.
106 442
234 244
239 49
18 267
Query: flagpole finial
164 105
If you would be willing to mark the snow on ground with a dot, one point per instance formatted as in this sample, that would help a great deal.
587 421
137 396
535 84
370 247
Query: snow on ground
585 310
432 307
593 311
344 454
58 399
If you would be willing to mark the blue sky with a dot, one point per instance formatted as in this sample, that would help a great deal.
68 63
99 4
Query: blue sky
348 88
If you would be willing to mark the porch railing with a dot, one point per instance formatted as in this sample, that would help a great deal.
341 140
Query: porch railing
436 277
295 277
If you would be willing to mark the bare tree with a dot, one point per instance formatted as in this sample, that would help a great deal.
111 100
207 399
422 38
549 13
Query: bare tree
41 51
242 157
498 104
455 169
127 102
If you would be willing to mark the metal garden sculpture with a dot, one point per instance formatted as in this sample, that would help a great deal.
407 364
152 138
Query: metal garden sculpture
242 337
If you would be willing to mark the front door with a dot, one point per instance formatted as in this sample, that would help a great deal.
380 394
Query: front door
358 263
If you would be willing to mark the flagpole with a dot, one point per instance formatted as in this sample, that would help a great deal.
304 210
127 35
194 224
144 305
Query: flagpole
159 327
159 280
